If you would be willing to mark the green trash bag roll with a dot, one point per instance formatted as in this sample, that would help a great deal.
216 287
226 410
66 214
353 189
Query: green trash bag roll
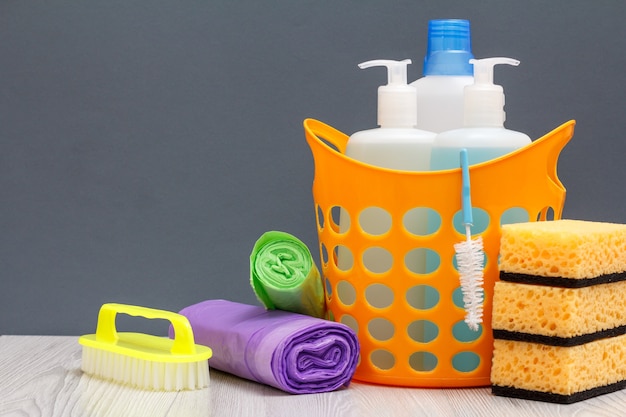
284 276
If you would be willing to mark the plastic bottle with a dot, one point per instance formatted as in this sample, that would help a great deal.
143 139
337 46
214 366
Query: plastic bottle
483 135
396 144
485 138
446 73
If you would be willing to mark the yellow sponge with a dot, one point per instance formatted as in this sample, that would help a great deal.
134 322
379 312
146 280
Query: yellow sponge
559 311
573 249
559 374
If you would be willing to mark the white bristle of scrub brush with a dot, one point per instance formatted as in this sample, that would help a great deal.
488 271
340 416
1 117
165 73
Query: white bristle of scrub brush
470 260
143 374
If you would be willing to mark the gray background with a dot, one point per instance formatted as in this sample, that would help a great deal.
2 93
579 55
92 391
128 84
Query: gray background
145 145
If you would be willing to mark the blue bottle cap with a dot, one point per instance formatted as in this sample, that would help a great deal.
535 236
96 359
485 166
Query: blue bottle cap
449 48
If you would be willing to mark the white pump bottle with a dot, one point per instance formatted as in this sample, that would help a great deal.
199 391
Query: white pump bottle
484 135
396 144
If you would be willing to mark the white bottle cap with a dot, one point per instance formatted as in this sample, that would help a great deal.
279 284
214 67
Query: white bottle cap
484 101
397 101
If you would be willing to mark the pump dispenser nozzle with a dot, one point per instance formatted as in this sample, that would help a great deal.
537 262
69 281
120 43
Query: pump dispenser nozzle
397 101
484 100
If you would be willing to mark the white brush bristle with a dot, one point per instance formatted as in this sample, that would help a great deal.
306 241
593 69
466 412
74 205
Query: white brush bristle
144 374
470 260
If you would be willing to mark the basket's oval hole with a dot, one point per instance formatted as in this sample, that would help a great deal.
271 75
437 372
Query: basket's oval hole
344 258
383 359
324 253
377 260
422 297
421 221
422 261
514 215
457 298
423 361
351 322
346 292
320 217
480 217
463 333
423 331
340 219
375 221
465 361
381 329
379 295
329 288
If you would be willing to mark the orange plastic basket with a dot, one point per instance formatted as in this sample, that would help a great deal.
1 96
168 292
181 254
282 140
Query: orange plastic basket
411 323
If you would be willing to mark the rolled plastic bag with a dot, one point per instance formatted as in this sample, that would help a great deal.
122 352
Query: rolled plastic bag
283 275
295 353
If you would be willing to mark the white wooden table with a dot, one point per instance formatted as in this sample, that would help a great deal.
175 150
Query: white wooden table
40 376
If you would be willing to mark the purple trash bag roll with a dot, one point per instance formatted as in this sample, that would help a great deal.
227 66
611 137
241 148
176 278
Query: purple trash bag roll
295 353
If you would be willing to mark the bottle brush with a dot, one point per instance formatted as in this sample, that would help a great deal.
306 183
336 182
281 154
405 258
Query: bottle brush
470 257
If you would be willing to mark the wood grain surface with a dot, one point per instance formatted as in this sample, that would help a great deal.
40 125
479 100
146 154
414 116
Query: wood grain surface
41 376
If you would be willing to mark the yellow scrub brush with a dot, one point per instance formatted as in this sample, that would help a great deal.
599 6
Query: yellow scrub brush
142 360
470 257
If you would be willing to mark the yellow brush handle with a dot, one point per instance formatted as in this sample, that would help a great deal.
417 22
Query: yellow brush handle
184 343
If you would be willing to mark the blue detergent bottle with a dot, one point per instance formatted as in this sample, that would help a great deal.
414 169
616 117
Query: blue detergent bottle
447 71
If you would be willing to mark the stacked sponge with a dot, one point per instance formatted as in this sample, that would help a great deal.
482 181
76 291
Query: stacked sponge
559 311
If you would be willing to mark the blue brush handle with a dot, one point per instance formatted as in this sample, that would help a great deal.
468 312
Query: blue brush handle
465 190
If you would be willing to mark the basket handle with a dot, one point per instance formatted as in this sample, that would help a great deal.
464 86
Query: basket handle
327 133
184 343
